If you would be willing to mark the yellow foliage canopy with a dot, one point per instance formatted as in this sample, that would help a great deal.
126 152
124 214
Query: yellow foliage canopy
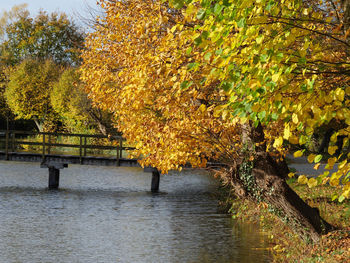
134 66
182 81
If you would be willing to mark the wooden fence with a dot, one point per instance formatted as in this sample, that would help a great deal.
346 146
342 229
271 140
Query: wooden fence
13 141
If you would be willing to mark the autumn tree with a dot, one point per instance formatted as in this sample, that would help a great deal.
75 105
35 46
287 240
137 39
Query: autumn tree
33 53
29 88
69 99
230 81
5 111
47 36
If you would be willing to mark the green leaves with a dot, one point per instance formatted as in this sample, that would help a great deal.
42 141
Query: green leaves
178 3
201 14
241 23
218 8
28 91
318 158
186 84
269 5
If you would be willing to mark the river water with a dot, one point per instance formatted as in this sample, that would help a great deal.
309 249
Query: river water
107 214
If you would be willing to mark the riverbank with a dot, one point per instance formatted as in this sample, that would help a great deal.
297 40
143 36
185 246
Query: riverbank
284 245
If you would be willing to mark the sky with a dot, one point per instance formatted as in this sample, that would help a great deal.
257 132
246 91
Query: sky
70 7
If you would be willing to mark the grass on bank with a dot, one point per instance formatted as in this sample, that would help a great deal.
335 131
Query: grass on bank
285 246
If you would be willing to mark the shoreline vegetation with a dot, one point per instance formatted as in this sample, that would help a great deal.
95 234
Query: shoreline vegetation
283 244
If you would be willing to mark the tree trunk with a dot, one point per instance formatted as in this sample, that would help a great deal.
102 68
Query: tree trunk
38 124
273 189
263 179
98 120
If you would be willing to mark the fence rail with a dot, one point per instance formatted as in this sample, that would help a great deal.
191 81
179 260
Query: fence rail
14 139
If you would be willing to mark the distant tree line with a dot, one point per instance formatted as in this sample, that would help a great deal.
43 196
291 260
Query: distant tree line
39 74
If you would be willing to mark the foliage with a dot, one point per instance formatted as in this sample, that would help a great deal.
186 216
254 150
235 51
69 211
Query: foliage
33 54
71 103
184 78
53 36
28 90
5 112
131 69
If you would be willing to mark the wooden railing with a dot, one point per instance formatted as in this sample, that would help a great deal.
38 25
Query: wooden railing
14 140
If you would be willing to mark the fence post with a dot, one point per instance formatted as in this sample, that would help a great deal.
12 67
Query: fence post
118 153
13 140
49 145
121 147
80 149
7 145
84 146
43 155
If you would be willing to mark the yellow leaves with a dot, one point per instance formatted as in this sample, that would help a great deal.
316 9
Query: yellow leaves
339 94
293 139
286 132
335 96
302 179
278 249
342 164
328 99
298 153
346 190
347 90
290 175
330 163
312 182
190 10
316 166
278 143
311 158
295 118
259 39
333 138
332 149
334 181
220 111
202 108
346 194
305 11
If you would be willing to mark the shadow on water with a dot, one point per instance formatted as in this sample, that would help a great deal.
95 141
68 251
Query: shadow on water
106 215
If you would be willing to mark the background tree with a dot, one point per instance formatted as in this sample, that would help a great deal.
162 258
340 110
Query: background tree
48 42
5 18
47 36
29 88
69 99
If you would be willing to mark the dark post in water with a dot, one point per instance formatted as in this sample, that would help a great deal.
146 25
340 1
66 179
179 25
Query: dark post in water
155 181
54 172
54 178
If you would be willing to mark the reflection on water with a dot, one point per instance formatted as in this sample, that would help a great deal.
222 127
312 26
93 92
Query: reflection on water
107 214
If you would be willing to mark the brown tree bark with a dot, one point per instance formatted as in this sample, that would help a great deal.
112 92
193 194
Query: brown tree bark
273 189
263 179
